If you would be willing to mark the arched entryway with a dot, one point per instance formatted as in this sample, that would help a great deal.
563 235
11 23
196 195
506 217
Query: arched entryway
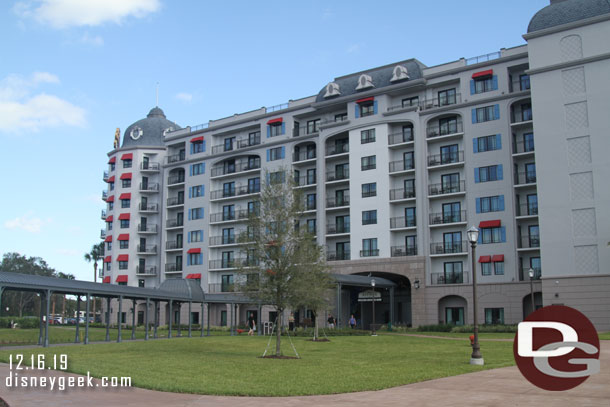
452 309
527 303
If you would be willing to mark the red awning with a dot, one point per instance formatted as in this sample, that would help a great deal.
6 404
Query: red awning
127 175
369 99
111 179
279 120
110 198
482 74
497 257
124 216
108 238
112 160
194 250
109 218
107 259
128 156
123 257
484 259
106 280
197 139
124 236
194 276
490 224
122 278
125 196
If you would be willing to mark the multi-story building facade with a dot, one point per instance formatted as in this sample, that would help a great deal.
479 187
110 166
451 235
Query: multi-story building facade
394 164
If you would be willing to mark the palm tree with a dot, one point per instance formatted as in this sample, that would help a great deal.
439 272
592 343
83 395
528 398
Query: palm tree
95 255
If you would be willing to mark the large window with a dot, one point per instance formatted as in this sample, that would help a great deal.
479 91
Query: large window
484 114
228 212
196 213
123 265
313 126
452 212
487 143
447 97
196 236
526 112
276 153
369 190
452 242
494 316
367 108
229 143
454 315
368 163
492 235
275 129
453 272
450 154
311 202
490 204
227 283
125 203
450 183
367 136
228 189
254 185
408 161
412 101
410 220
369 247
311 226
448 125
196 191
485 84
369 217
489 173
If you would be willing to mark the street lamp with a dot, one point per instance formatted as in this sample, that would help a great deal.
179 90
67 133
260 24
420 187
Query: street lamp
473 237
531 273
373 326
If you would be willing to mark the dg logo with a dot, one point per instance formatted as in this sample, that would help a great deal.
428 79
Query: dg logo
556 348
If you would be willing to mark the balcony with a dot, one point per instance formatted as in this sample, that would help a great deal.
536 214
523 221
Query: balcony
238 144
337 202
453 157
103 214
222 240
305 180
455 127
150 208
523 147
305 131
449 248
304 156
106 176
224 264
150 167
334 229
147 228
173 267
240 214
446 188
335 256
174 223
521 115
175 179
223 288
402 193
337 149
401 251
432 103
337 175
104 195
369 253
250 165
147 249
525 178
450 278
173 245
527 210
149 187
310 206
529 242
401 222
175 201
103 234
446 218
520 85
338 120
176 158
401 165
525 276
235 191
146 271
400 138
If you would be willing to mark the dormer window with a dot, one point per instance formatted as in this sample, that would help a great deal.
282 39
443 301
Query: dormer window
332 89
399 73
365 82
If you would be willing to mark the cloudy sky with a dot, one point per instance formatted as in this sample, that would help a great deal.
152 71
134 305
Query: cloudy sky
72 71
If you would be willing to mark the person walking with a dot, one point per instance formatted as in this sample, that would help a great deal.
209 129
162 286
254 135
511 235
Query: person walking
331 321
251 325
352 322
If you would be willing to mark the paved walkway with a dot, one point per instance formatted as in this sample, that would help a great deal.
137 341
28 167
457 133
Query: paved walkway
497 388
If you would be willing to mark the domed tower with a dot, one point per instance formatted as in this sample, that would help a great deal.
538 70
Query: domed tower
132 236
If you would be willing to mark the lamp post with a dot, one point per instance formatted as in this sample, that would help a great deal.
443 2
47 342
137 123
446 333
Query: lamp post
473 237
531 273
373 326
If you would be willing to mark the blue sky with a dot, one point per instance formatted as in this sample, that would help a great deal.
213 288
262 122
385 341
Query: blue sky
72 71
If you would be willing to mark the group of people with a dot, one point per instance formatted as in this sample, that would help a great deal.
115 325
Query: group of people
332 323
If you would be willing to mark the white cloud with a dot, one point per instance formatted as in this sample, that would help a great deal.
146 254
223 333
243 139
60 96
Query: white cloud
76 13
352 49
96 40
27 223
185 97
22 110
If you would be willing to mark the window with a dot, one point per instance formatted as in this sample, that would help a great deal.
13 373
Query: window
448 125
412 101
369 248
368 163
227 280
254 185
407 133
530 173
196 213
254 138
126 183
228 189
528 142
112 167
493 235
198 147
450 183
127 163
369 190
311 176
228 143
367 136
276 129
341 197
453 272
486 174
141 283
109 225
311 226
409 191
485 84
524 82
452 242
485 114
410 220
534 236
125 203
490 204
196 236
198 169
275 154
124 223
452 212
311 202
228 236
369 217
532 204
494 316
446 97
123 265
526 112
454 315
277 177
111 186
196 191
228 212
366 108
486 269
123 244
487 143
109 246
108 266
342 224
195 259
411 245
253 208
499 268
340 117
313 126
408 161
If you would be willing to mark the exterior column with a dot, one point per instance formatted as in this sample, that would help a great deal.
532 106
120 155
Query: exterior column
259 329
133 319
86 341
208 319
392 306
76 338
190 319
338 305
169 332
146 319
179 319
1 291
41 324
202 304
156 319
108 319
46 322
118 318
231 319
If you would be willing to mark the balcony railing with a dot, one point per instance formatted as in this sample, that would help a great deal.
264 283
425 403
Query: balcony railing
334 256
401 165
144 166
147 228
450 278
148 207
520 147
310 205
447 158
304 155
173 245
447 217
521 84
232 263
175 179
530 209
449 247
235 191
106 176
333 229
238 144
369 253
148 271
446 188
103 214
176 158
337 149
524 273
174 223
170 267
400 251
440 101
402 222
223 288
220 240
337 175
228 216
402 193
103 234
237 168
104 195
400 137
175 200
305 180
528 177
336 202
147 249
305 131
149 187
445 129
529 242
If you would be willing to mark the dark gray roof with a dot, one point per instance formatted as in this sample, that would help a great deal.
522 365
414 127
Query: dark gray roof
364 281
184 287
152 127
381 78
567 11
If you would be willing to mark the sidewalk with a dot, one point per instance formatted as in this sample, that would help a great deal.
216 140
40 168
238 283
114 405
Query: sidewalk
497 388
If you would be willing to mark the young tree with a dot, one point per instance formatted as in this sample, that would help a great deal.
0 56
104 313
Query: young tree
95 255
283 265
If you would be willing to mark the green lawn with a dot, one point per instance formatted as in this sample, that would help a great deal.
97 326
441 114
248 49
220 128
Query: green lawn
604 335
231 366
482 336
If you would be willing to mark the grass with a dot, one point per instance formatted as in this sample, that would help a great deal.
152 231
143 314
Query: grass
604 335
465 335
231 366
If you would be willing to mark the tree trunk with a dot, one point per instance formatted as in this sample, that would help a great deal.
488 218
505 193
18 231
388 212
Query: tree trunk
20 304
315 326
95 281
278 333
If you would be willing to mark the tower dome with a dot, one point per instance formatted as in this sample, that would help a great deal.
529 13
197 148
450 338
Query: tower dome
150 130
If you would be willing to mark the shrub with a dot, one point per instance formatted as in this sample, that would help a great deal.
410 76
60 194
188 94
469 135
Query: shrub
486 329
435 328
25 322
